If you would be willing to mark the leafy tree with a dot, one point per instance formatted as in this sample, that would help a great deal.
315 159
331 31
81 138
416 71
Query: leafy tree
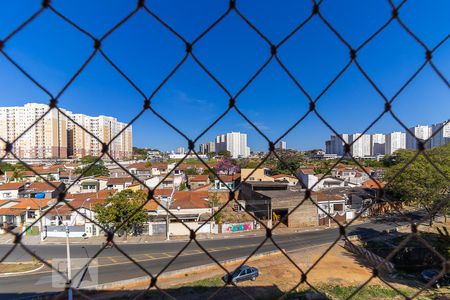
17 175
120 207
211 154
420 184
88 159
4 166
191 171
98 169
214 202
224 153
182 186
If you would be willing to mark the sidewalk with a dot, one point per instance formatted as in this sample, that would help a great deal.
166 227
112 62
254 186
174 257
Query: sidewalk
98 240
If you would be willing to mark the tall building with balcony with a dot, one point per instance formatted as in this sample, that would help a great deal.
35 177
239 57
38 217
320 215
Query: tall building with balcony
235 142
55 136
207 148
335 145
395 141
40 134
361 145
421 132
378 144
441 134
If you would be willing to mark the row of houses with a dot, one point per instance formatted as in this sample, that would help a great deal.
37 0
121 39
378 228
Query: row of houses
339 195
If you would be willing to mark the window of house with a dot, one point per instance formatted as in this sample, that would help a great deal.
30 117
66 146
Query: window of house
31 214
338 207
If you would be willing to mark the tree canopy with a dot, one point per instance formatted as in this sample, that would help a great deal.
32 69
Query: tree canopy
98 169
420 184
120 207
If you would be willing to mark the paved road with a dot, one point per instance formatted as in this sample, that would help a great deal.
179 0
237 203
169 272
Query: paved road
154 257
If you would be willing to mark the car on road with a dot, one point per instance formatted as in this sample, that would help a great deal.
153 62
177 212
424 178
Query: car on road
241 274
427 275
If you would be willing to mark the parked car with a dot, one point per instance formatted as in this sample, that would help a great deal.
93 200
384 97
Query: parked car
427 275
242 274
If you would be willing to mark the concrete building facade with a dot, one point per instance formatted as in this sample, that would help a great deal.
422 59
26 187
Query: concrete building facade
55 136
235 142
361 146
378 144
395 141
421 132
335 145
441 134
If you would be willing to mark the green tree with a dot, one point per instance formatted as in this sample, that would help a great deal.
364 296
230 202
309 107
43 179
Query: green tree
214 202
224 153
191 171
120 207
17 175
182 186
91 167
420 184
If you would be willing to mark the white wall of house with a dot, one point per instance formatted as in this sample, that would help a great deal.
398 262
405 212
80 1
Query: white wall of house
9 194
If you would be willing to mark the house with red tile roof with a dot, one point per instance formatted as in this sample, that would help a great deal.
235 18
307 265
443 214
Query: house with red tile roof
285 178
12 190
23 211
44 190
196 181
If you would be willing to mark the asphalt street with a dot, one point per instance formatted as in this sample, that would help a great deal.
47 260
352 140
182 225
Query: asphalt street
114 266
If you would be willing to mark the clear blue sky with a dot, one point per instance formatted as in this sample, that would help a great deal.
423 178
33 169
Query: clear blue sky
52 51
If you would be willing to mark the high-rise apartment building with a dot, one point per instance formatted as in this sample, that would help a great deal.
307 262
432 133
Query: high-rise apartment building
56 136
105 128
46 139
361 144
395 141
335 145
378 144
422 132
441 134
282 145
207 148
235 142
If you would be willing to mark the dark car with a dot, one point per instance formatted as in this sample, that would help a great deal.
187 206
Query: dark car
427 275
242 274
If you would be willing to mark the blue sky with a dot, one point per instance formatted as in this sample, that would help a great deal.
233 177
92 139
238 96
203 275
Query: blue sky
51 51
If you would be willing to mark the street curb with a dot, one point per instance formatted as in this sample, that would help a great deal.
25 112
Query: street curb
21 273
145 280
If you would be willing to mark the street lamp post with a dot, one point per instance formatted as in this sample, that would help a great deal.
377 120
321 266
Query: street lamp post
69 269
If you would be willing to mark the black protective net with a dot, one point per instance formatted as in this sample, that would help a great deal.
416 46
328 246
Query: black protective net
272 50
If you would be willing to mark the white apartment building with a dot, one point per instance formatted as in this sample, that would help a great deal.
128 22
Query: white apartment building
282 145
235 142
335 145
422 132
56 136
207 148
378 144
46 139
105 128
395 141
441 134
361 145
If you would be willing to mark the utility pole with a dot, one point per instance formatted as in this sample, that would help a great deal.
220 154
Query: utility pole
167 213
69 269
329 218
40 220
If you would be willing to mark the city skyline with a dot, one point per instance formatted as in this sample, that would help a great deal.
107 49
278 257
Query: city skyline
147 52
56 136
373 144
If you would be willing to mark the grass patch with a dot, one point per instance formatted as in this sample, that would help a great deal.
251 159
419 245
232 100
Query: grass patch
18 267
343 292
